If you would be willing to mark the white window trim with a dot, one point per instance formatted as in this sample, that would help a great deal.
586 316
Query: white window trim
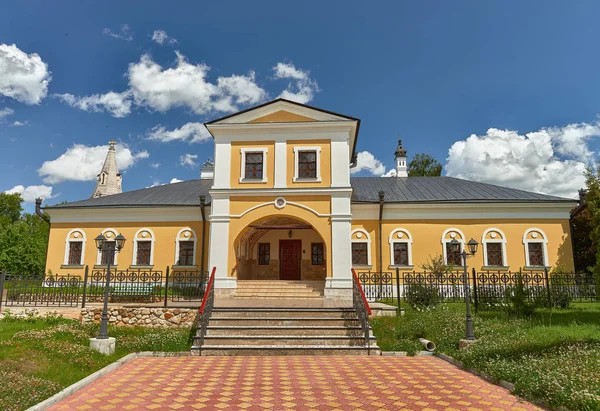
68 241
243 152
543 241
445 240
179 238
367 240
486 241
393 239
297 151
135 245
112 238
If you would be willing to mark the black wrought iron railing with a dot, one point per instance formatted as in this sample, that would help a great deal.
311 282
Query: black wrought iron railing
361 306
37 290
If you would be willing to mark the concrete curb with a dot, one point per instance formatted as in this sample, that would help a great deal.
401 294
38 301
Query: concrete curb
73 388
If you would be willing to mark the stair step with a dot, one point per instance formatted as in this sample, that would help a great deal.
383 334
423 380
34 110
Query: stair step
262 350
277 297
289 340
301 321
250 330
278 314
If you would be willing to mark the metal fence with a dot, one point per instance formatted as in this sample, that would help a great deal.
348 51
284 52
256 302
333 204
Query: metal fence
486 289
125 286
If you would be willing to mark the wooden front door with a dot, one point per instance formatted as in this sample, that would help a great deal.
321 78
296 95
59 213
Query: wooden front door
290 259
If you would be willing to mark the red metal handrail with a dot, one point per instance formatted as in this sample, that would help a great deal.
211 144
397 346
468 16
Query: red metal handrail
209 286
362 293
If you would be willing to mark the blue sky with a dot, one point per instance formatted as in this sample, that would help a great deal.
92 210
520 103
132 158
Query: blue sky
521 77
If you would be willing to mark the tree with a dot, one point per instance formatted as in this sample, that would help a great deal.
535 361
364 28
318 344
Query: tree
10 208
424 165
593 211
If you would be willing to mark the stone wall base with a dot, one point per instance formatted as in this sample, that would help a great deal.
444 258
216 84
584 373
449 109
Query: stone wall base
140 316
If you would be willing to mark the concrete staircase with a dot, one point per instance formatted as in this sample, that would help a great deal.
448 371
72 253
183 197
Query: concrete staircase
279 289
285 331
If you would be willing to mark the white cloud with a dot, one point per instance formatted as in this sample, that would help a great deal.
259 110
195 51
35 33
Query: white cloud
83 163
303 89
161 37
19 124
190 132
551 160
23 76
118 104
30 193
5 112
390 173
175 180
123 34
155 165
188 160
367 161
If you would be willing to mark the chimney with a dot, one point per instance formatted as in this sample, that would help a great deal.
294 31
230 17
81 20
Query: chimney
207 172
401 166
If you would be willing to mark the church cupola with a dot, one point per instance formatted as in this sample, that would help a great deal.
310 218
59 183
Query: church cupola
207 172
109 181
401 166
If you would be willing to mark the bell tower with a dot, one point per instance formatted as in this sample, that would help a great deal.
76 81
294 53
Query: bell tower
109 180
401 166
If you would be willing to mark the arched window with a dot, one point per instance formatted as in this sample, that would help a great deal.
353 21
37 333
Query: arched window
536 248
494 248
143 247
109 253
361 247
75 247
400 248
102 178
450 257
185 247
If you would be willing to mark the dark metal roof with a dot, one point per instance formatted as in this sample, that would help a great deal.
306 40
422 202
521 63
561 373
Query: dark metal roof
365 190
185 193
438 190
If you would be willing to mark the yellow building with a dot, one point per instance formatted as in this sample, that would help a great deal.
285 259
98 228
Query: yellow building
280 203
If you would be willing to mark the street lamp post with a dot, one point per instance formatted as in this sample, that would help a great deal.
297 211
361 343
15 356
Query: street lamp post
102 245
472 246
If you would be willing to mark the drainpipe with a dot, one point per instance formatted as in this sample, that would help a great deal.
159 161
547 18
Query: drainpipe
381 201
38 210
202 203
353 161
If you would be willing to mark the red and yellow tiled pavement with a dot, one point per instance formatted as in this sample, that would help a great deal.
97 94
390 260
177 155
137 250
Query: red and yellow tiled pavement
291 383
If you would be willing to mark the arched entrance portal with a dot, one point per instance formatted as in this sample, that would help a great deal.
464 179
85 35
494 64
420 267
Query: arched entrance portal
280 248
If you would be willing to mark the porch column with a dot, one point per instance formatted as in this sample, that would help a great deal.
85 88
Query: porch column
218 248
339 285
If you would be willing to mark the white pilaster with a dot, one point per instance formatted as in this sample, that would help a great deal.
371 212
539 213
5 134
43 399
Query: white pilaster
341 252
280 164
222 165
340 165
218 254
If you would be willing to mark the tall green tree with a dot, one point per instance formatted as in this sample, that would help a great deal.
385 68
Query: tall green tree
593 211
424 165
23 238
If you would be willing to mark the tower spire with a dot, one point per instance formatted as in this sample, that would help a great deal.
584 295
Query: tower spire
109 180
401 166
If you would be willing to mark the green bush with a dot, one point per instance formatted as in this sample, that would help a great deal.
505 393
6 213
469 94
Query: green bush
422 296
559 292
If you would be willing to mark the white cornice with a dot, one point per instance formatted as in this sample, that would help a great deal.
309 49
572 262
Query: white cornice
316 191
123 214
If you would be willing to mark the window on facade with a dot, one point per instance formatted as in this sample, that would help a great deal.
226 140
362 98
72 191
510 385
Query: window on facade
316 253
75 249
307 164
186 253
254 166
494 254
264 253
108 253
452 257
400 254
144 248
536 254
360 254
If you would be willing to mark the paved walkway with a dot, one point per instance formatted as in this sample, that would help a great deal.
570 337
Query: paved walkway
291 383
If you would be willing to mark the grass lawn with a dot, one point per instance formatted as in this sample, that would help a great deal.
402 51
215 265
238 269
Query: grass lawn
41 356
553 356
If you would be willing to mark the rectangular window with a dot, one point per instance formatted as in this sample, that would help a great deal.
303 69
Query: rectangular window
186 253
75 249
108 253
143 252
536 254
264 253
316 253
307 164
452 257
494 254
360 254
400 253
254 166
